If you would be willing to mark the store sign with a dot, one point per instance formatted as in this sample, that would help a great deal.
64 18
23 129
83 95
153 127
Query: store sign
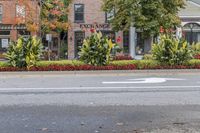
96 26
49 37
4 43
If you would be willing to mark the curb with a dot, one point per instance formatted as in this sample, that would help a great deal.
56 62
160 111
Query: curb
109 72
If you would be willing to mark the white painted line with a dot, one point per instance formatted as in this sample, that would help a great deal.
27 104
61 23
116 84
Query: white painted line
151 80
98 88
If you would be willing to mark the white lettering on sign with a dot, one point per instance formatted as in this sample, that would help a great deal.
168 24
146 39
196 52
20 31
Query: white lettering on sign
4 43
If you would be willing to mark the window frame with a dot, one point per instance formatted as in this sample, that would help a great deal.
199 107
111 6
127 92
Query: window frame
83 13
107 20
23 15
1 12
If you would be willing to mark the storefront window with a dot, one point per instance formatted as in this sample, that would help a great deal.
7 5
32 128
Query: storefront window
79 37
20 11
109 16
1 12
79 13
23 33
139 49
4 40
126 42
191 32
110 35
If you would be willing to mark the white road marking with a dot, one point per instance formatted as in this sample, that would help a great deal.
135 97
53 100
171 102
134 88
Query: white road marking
144 81
99 88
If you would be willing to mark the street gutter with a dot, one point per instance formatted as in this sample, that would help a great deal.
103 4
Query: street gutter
106 72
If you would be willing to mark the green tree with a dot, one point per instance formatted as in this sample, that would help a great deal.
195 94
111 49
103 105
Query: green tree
54 18
54 15
146 15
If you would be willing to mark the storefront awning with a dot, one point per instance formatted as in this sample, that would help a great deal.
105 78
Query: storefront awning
12 27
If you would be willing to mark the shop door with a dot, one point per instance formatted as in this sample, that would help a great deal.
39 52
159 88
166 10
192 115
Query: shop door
79 37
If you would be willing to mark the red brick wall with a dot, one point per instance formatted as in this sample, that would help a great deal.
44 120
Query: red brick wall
8 11
9 14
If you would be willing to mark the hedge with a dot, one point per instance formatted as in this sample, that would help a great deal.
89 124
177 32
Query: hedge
60 63
74 65
193 63
4 64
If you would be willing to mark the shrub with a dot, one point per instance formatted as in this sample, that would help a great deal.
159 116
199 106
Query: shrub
122 57
148 57
193 62
147 64
4 64
123 62
60 63
96 50
24 52
140 64
170 51
195 49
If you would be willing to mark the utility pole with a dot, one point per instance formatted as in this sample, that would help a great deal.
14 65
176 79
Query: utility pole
40 18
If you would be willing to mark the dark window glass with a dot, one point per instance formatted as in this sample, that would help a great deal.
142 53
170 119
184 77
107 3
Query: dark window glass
79 12
110 35
79 37
3 48
1 16
1 12
192 37
23 32
140 48
4 32
191 32
126 42
109 16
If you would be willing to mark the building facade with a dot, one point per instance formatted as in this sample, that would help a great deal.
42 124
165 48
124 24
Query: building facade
84 15
190 26
11 13
87 14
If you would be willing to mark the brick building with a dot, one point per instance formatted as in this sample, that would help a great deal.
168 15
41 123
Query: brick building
10 11
84 15
87 14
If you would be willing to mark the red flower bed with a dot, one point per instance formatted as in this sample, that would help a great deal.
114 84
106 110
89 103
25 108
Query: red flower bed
122 57
89 67
71 68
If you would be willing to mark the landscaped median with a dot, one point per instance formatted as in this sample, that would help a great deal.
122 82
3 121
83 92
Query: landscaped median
74 65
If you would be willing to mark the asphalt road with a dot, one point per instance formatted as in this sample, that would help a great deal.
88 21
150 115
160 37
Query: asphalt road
100 102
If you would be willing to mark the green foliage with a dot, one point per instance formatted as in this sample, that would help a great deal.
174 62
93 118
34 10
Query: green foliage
147 64
4 64
147 15
60 63
139 63
124 62
193 62
195 48
96 50
171 51
24 52
148 57
54 15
